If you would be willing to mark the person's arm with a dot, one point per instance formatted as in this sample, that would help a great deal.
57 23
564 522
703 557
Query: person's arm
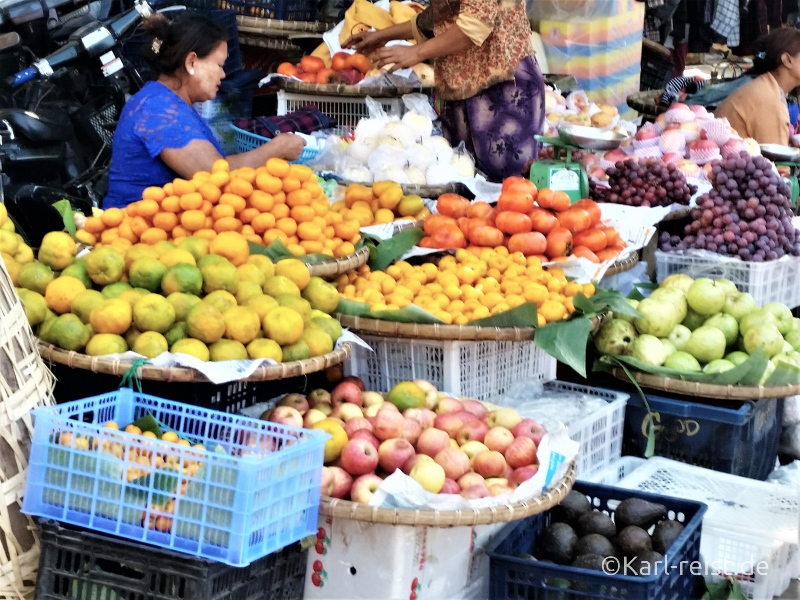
367 42
199 155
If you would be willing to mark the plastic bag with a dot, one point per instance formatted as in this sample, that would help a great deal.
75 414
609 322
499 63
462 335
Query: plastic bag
420 104
790 441
330 154
791 411
787 475
462 161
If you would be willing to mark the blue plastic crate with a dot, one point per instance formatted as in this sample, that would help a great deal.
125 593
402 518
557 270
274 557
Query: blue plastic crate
741 439
252 491
244 141
512 578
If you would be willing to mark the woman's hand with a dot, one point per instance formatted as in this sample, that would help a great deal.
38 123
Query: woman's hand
366 42
287 146
400 57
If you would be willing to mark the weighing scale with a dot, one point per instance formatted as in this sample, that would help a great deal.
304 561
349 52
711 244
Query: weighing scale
785 156
563 174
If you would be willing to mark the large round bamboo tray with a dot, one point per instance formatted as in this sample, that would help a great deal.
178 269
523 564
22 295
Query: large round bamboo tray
275 27
620 266
351 91
736 393
337 266
645 103
270 43
356 511
117 367
435 331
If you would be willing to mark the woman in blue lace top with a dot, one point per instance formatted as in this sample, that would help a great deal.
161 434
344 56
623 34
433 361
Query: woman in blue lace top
159 135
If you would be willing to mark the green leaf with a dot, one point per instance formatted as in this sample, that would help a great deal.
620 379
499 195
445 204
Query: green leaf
64 208
566 341
727 589
784 374
650 448
149 423
410 314
636 294
278 251
523 315
603 301
388 251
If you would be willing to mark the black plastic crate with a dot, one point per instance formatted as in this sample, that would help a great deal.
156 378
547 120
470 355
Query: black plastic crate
656 66
82 565
737 438
514 578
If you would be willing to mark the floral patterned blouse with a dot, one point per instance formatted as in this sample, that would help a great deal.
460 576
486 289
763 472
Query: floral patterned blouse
501 35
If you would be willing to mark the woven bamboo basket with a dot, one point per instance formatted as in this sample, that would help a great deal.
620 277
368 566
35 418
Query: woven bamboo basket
626 264
356 511
645 103
275 27
336 266
428 191
270 43
25 383
435 331
736 393
118 367
350 91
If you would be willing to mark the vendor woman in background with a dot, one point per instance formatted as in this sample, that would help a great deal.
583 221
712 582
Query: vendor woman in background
159 135
758 109
489 85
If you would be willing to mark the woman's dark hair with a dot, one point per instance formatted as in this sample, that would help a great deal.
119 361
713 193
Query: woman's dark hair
168 43
772 46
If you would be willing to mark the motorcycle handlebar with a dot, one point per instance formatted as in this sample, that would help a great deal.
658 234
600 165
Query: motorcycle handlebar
24 76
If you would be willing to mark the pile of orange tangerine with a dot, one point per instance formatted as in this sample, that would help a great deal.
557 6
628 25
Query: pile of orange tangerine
275 201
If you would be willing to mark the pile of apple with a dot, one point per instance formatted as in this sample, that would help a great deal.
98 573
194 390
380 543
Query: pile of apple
345 68
447 445
706 325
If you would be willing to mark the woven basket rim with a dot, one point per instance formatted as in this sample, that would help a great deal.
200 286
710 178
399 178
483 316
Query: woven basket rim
645 102
261 25
434 330
355 511
117 367
428 191
735 393
354 91
620 266
338 266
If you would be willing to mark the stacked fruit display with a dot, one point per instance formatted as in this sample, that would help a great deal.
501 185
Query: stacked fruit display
540 223
649 182
345 68
581 536
211 300
706 325
447 445
384 202
467 287
278 201
576 109
747 214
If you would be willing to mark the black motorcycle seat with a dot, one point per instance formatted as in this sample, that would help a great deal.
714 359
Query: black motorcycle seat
42 127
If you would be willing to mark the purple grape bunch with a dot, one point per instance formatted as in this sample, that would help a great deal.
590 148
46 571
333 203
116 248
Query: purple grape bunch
649 182
747 213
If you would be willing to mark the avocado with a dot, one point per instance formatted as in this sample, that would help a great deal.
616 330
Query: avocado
571 508
638 513
646 564
557 543
632 541
596 522
589 561
665 534
594 543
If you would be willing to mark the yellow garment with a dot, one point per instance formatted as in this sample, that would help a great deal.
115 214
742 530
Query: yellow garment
362 16
758 110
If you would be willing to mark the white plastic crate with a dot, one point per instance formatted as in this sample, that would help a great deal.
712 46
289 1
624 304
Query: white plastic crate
599 433
747 522
483 370
347 111
615 472
773 281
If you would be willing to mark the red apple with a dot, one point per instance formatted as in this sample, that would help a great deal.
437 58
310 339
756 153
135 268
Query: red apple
346 391
364 488
411 431
523 474
498 438
393 454
327 481
296 401
454 462
466 416
286 415
339 61
476 407
388 406
449 405
342 482
388 424
425 385
503 417
423 416
359 457
475 491
472 449
336 420
347 412
431 441
353 425
496 481
521 452
371 399
489 464
411 462
450 487
313 415
474 431
470 479
366 434
499 489
646 134
357 380
319 396
530 429
450 423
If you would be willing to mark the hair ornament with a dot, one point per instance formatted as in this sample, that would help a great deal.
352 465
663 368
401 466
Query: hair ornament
156 45
762 55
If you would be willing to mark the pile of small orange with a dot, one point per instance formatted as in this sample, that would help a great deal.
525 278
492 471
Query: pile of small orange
275 201
384 202
472 285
